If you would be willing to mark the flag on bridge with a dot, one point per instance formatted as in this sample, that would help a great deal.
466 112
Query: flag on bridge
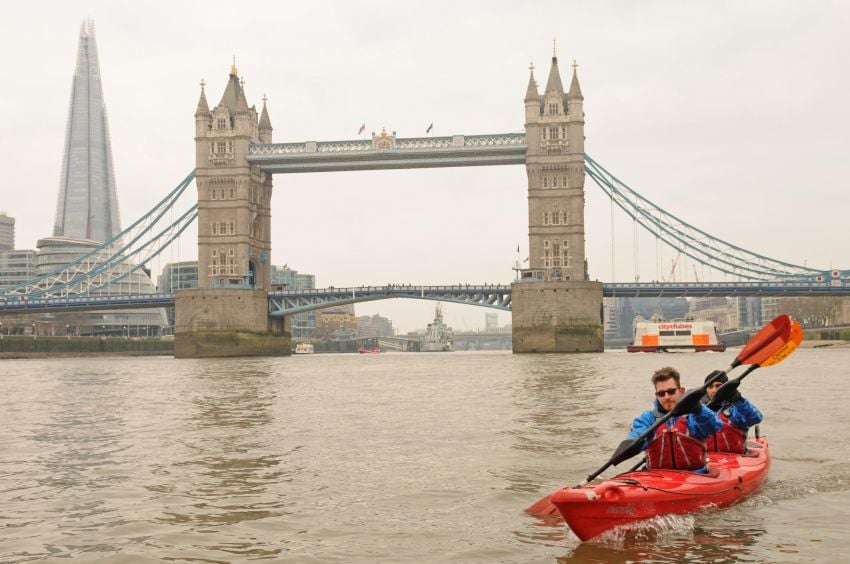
362 128
430 127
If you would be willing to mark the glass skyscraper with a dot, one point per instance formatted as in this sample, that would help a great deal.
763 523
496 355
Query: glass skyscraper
88 203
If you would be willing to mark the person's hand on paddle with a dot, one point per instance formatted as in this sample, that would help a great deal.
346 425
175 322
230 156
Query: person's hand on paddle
727 393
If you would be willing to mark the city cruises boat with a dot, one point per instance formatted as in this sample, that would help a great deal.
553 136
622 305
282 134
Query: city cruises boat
369 350
304 348
438 336
627 499
659 335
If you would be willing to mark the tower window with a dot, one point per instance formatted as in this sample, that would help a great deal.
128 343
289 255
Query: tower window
215 229
220 147
545 218
233 193
222 123
553 109
231 228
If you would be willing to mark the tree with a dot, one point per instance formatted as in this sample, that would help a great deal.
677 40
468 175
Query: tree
813 312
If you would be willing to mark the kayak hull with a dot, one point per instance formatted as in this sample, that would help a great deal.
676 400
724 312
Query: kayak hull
635 496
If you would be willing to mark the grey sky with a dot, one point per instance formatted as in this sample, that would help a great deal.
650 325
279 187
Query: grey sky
731 115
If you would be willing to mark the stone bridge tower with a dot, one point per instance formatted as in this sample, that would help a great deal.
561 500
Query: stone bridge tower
227 315
234 198
555 308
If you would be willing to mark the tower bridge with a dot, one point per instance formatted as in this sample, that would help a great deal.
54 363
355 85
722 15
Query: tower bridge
555 308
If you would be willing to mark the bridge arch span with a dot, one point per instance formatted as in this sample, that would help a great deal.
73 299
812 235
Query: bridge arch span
290 302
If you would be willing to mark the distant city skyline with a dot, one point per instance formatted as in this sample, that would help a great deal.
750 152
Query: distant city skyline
731 117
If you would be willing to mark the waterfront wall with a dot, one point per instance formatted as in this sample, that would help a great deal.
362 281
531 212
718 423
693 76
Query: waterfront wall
20 346
220 322
557 316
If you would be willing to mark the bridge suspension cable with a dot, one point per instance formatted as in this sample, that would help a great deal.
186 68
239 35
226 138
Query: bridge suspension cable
116 259
689 240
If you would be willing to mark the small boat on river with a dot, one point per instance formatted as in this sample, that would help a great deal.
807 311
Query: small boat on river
304 348
627 499
659 335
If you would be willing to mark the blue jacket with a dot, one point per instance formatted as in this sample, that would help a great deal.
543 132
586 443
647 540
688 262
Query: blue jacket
700 425
742 414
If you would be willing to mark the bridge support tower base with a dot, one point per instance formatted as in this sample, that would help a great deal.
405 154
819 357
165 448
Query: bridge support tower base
221 322
557 317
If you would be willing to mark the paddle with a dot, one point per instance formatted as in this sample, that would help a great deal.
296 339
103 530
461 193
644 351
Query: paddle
728 390
761 347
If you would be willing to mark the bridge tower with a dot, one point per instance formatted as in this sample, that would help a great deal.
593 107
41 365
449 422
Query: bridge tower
227 314
555 308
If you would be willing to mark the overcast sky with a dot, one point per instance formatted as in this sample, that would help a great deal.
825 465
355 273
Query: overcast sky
731 115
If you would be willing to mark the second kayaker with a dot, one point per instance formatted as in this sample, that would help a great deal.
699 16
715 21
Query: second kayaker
680 443
737 415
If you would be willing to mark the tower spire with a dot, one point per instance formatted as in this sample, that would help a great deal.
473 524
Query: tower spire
265 125
575 89
203 108
554 82
531 91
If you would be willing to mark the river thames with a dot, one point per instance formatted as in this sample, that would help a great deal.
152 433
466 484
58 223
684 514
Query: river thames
394 458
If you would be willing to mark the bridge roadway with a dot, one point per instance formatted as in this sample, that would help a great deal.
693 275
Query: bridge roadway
497 296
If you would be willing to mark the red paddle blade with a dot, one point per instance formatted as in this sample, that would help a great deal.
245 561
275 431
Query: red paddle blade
542 508
795 338
767 341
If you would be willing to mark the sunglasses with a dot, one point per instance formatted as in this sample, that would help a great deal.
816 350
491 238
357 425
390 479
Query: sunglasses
667 392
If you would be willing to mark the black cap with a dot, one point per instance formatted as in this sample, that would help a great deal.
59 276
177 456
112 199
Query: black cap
722 378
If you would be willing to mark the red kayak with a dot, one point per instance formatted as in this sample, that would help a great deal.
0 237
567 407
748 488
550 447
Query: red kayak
634 496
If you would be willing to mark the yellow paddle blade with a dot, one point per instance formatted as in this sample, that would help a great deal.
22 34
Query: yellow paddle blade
795 337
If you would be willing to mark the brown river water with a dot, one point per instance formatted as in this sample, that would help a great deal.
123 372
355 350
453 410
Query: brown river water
388 458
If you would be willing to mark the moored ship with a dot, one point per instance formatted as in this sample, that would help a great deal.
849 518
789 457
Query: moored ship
438 336
677 334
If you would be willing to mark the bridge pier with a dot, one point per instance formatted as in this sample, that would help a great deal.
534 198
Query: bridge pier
221 322
557 316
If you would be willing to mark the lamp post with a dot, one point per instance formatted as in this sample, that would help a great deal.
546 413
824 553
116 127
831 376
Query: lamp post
34 334
68 331
126 333
1 329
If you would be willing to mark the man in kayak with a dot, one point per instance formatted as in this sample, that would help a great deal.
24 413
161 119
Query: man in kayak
680 442
736 414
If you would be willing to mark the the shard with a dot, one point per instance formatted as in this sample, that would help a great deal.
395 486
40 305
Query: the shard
88 202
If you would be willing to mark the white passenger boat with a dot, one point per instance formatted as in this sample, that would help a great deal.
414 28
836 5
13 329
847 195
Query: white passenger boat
677 334
304 348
